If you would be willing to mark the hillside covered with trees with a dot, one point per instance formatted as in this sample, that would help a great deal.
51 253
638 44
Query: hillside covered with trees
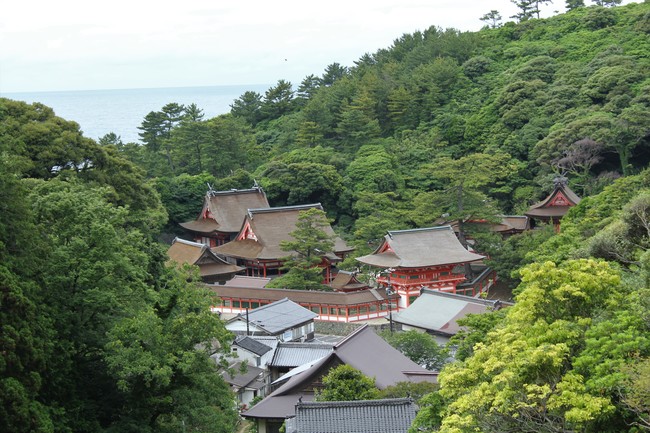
99 335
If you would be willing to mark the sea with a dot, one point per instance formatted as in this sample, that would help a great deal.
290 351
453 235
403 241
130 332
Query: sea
99 112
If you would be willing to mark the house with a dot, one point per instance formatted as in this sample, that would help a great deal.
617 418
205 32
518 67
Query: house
213 269
254 351
363 350
394 415
420 258
438 313
283 319
222 214
246 382
257 245
242 292
555 205
290 355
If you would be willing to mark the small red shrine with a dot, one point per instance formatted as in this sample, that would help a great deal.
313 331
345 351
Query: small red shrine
222 214
556 205
420 258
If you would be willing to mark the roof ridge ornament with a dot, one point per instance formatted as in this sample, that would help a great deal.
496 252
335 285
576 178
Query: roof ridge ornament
560 180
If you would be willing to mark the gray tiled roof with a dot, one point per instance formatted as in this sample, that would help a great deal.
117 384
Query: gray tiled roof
252 345
363 350
295 354
420 247
278 316
363 416
439 312
250 379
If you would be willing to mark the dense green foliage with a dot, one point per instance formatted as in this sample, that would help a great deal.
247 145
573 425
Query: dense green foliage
97 334
346 383
565 94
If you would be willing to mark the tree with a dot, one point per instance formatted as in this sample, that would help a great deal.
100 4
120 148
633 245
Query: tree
466 182
522 378
492 18
574 4
607 3
333 73
248 106
579 158
278 100
526 9
419 347
160 358
346 383
310 242
636 391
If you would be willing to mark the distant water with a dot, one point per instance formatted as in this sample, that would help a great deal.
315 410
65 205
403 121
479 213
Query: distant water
99 112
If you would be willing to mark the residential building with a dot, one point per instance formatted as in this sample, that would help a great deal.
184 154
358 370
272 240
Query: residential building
363 350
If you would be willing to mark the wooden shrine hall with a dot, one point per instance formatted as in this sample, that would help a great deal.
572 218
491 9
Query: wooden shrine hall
222 214
555 205
429 258
257 245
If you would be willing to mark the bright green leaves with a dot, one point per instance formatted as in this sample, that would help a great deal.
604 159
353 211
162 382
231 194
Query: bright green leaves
521 378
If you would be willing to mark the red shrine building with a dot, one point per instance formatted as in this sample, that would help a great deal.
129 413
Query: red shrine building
222 214
430 258
556 205
257 245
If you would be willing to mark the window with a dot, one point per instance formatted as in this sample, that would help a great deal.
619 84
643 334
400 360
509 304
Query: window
227 303
245 304
235 304
255 304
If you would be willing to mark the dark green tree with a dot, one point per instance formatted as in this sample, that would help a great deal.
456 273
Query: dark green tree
419 347
492 18
248 106
607 3
346 383
309 243
574 4
278 100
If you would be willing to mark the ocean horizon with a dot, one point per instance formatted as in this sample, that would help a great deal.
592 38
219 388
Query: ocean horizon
121 111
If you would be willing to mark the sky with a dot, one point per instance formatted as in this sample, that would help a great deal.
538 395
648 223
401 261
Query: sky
62 45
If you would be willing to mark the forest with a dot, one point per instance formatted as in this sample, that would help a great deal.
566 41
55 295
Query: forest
97 334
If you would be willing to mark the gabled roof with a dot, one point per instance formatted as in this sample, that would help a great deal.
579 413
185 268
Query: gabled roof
291 354
277 317
439 312
250 379
393 415
322 297
224 211
419 248
557 204
252 345
347 281
263 229
363 350
183 251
